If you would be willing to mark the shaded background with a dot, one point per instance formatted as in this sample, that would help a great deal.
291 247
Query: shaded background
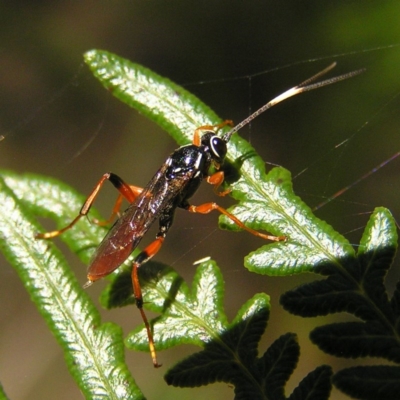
57 120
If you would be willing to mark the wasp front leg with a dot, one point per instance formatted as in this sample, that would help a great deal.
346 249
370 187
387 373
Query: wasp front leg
214 128
217 180
126 191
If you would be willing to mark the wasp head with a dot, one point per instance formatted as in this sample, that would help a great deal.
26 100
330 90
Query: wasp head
214 146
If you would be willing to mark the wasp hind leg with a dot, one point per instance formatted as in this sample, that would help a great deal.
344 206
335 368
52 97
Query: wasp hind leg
126 191
149 252
136 190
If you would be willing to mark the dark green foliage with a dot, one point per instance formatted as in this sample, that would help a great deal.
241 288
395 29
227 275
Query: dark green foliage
370 383
316 385
262 378
355 284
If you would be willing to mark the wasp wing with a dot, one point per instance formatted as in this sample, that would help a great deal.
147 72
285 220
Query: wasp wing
125 235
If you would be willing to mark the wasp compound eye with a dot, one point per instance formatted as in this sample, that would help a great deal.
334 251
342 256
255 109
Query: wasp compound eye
218 148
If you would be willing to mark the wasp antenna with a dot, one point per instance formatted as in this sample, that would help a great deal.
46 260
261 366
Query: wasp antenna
318 75
301 88
331 80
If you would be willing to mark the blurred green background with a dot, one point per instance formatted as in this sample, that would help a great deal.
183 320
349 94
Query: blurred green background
57 120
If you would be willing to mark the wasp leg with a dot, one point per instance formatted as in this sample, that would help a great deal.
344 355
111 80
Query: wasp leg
124 189
165 222
197 135
136 190
216 180
142 258
208 207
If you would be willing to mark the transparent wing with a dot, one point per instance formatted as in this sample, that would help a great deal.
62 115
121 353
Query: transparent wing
125 235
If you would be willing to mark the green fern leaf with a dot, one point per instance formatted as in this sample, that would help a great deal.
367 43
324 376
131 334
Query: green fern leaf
164 102
186 317
94 351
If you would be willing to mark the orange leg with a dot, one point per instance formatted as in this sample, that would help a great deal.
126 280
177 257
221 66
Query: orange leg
136 190
216 180
125 190
208 207
143 257
197 135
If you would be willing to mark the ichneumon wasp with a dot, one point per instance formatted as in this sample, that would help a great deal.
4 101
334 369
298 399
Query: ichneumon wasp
171 187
